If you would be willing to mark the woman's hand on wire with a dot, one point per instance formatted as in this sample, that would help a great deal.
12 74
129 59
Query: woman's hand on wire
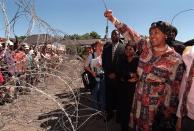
108 13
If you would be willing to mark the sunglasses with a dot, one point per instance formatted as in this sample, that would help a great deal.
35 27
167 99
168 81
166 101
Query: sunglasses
158 23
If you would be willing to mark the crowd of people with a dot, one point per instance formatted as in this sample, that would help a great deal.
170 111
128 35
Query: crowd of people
145 82
22 65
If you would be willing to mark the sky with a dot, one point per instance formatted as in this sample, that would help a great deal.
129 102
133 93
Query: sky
84 16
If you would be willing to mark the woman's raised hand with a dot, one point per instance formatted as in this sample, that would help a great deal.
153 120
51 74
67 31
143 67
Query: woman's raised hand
108 15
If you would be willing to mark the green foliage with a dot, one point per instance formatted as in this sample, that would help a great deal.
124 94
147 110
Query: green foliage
86 36
94 35
21 37
74 36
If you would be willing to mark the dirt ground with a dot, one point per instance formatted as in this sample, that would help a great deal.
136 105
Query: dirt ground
58 103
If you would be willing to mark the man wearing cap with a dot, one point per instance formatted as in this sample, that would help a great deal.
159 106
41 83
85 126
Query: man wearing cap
8 56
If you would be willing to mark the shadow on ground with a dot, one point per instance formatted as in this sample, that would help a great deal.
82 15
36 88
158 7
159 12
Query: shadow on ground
86 118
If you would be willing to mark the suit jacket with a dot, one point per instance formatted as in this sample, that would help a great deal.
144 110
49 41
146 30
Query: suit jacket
110 65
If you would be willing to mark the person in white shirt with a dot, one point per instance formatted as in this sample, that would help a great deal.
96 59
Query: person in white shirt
94 66
185 112
98 92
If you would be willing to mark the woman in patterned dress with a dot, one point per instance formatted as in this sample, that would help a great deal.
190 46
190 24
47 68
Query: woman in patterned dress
160 71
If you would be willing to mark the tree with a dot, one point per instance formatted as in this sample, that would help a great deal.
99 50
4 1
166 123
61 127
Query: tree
75 36
94 35
21 37
86 36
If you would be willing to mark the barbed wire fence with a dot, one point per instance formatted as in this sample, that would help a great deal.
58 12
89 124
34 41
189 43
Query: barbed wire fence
54 103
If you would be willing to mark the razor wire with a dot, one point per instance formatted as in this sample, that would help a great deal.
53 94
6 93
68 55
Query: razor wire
179 13
107 26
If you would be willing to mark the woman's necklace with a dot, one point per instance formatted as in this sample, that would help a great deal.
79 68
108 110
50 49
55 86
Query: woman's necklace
160 49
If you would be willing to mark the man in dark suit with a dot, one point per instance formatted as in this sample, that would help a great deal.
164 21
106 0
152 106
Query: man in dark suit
110 56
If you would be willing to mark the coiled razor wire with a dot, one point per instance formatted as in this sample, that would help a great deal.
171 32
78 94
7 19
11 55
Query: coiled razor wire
180 12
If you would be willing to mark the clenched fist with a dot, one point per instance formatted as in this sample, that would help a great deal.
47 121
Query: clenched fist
108 15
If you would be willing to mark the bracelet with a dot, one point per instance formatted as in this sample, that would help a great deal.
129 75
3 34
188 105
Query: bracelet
114 20
117 23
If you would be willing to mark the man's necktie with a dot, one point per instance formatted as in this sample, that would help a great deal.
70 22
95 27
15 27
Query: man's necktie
113 51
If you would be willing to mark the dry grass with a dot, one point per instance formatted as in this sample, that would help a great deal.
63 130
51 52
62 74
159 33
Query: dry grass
58 103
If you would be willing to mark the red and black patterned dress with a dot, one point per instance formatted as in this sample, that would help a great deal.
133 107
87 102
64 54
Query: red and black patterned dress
159 80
